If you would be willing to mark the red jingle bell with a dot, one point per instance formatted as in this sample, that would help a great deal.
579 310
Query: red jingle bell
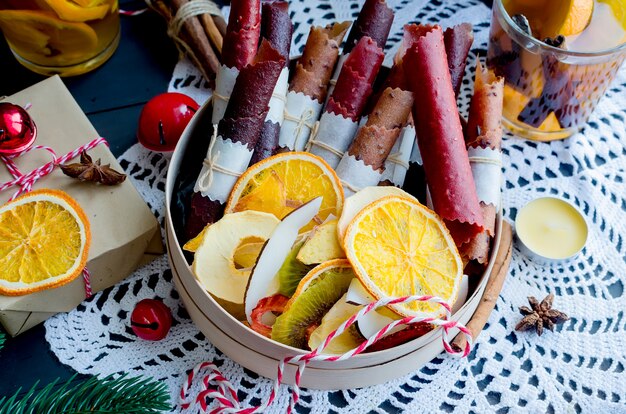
151 320
17 129
163 120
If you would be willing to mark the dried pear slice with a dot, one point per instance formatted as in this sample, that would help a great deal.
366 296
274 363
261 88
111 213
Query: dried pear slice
322 245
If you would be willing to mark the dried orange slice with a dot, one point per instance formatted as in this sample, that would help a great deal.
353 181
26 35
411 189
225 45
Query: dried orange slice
284 182
72 12
40 36
44 242
556 17
398 247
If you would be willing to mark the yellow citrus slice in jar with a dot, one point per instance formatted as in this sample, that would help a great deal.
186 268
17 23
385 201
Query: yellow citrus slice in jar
72 12
398 248
44 39
44 242
282 183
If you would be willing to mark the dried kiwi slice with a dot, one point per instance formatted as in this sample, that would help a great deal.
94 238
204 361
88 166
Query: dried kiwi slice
322 287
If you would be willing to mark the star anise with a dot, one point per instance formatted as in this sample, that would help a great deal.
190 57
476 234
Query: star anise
540 315
87 170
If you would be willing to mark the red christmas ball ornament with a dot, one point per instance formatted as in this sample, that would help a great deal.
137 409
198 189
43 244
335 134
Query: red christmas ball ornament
163 120
151 320
17 129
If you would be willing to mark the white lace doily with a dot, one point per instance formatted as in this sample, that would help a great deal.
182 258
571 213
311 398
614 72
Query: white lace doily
578 368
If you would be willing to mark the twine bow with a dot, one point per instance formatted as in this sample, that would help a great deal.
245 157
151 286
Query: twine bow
225 394
206 177
304 120
25 182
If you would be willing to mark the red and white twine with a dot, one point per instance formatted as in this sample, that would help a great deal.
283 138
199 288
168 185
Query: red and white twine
216 388
25 182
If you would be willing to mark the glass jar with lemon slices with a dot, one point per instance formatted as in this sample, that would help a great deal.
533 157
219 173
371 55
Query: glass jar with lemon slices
557 58
65 37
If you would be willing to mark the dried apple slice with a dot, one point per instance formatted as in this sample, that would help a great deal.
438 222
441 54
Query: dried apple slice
263 281
214 264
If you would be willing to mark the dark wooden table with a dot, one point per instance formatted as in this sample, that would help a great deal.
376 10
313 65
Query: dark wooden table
112 97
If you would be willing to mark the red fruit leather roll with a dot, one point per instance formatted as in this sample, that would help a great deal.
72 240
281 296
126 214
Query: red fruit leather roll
373 142
458 41
483 140
357 75
242 33
242 123
276 27
441 142
374 21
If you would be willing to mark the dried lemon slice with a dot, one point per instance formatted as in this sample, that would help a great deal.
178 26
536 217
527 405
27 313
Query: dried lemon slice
45 39
44 242
398 248
72 12
284 182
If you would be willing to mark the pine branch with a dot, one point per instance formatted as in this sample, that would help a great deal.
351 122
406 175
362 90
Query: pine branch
94 395
1 339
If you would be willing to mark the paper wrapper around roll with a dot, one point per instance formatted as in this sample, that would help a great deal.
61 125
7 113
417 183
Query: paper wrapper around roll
235 138
355 175
333 137
238 50
277 28
308 87
397 163
484 138
441 142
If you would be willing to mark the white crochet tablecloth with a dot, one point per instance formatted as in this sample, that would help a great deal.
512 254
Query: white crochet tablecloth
578 368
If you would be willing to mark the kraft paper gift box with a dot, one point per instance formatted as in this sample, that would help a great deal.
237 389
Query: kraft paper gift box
124 232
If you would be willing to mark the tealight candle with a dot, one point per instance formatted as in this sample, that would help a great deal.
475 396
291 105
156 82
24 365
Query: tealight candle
551 229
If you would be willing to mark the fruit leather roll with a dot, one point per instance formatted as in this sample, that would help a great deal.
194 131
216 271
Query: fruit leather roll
339 121
309 85
363 164
276 27
235 138
441 141
238 49
374 21
483 140
458 41
398 161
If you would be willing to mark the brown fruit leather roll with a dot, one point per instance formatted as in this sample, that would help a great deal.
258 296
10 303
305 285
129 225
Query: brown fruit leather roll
441 143
315 67
276 27
374 140
374 21
354 85
242 33
242 122
484 130
458 41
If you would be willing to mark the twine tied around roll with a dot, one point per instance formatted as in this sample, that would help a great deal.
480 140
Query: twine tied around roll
206 178
188 10
304 120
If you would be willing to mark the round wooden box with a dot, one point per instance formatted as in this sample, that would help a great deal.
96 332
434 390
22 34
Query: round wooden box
261 354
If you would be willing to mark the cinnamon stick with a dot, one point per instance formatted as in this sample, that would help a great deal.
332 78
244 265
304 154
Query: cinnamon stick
220 23
492 290
212 31
199 41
